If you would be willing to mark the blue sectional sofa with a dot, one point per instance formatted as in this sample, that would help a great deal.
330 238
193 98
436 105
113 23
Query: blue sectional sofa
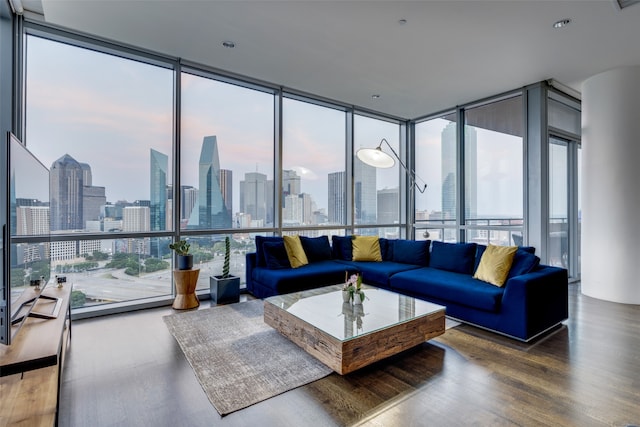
534 297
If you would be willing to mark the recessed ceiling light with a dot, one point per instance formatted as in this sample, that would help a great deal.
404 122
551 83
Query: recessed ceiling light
402 21
375 96
561 23
229 44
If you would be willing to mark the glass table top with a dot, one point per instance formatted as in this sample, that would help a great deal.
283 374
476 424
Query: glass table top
324 309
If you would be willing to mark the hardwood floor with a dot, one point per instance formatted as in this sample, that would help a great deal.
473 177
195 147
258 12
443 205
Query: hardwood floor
127 370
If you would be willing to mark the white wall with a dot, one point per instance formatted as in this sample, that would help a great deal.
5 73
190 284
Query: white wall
611 185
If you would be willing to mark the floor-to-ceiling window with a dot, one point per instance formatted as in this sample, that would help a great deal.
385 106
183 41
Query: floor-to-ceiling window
564 217
103 124
493 172
436 162
313 192
376 191
226 169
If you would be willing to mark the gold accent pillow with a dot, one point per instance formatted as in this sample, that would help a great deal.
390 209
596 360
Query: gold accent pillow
295 252
495 264
366 248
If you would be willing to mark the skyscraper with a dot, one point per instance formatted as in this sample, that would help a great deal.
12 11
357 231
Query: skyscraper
449 171
66 184
159 164
388 206
211 211
254 194
226 187
337 197
364 192
290 183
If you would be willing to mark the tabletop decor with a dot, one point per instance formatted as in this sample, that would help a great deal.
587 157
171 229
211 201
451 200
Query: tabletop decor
352 289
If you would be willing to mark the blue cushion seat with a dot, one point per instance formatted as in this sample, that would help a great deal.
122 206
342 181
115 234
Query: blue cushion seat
313 275
316 248
378 273
449 286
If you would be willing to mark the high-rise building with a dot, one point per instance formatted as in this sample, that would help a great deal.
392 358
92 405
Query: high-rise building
337 198
211 211
189 200
449 171
290 182
136 218
87 176
159 164
66 191
226 187
388 206
364 193
93 199
254 194
32 220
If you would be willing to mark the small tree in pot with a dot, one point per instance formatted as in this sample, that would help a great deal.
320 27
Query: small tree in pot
225 288
184 258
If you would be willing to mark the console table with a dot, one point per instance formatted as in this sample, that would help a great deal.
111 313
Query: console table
31 367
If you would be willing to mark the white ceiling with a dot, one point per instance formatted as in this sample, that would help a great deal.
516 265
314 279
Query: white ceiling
448 53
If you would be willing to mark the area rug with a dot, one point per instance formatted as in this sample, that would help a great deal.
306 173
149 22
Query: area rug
238 359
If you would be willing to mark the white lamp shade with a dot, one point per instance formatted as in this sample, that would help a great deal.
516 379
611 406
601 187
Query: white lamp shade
375 157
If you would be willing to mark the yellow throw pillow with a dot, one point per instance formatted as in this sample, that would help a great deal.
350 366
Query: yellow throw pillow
495 264
366 248
295 252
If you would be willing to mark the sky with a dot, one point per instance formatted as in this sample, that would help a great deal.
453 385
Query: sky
109 112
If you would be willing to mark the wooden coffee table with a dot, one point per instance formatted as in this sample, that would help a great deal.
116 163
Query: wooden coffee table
347 336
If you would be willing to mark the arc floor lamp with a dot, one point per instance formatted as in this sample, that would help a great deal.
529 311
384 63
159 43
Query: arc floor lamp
379 159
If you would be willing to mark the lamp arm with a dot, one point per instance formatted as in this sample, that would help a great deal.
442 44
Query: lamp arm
412 174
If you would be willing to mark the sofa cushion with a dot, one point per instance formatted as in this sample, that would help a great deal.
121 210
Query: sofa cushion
316 248
295 252
260 257
455 257
386 249
341 247
449 286
523 263
308 276
495 264
275 255
414 252
378 273
366 248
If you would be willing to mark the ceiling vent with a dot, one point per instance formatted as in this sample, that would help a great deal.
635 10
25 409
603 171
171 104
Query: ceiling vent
622 4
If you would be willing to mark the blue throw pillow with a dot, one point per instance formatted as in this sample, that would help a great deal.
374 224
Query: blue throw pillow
455 257
275 255
386 249
260 240
316 248
411 252
523 262
341 247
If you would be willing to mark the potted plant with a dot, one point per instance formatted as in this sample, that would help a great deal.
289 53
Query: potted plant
225 288
184 258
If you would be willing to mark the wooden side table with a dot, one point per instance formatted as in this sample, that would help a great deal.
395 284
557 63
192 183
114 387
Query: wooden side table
186 281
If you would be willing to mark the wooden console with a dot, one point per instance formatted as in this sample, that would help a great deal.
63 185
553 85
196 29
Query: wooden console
31 367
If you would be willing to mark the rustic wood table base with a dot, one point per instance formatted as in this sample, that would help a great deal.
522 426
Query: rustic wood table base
386 324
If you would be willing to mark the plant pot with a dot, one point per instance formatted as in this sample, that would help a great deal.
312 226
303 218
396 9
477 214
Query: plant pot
185 262
224 291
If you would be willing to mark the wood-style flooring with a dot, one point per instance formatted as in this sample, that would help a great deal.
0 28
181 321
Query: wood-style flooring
127 370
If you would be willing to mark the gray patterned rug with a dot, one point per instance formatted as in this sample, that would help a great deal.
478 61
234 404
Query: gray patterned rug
238 359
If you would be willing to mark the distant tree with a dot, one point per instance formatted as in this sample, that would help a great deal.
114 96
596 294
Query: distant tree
78 299
155 264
